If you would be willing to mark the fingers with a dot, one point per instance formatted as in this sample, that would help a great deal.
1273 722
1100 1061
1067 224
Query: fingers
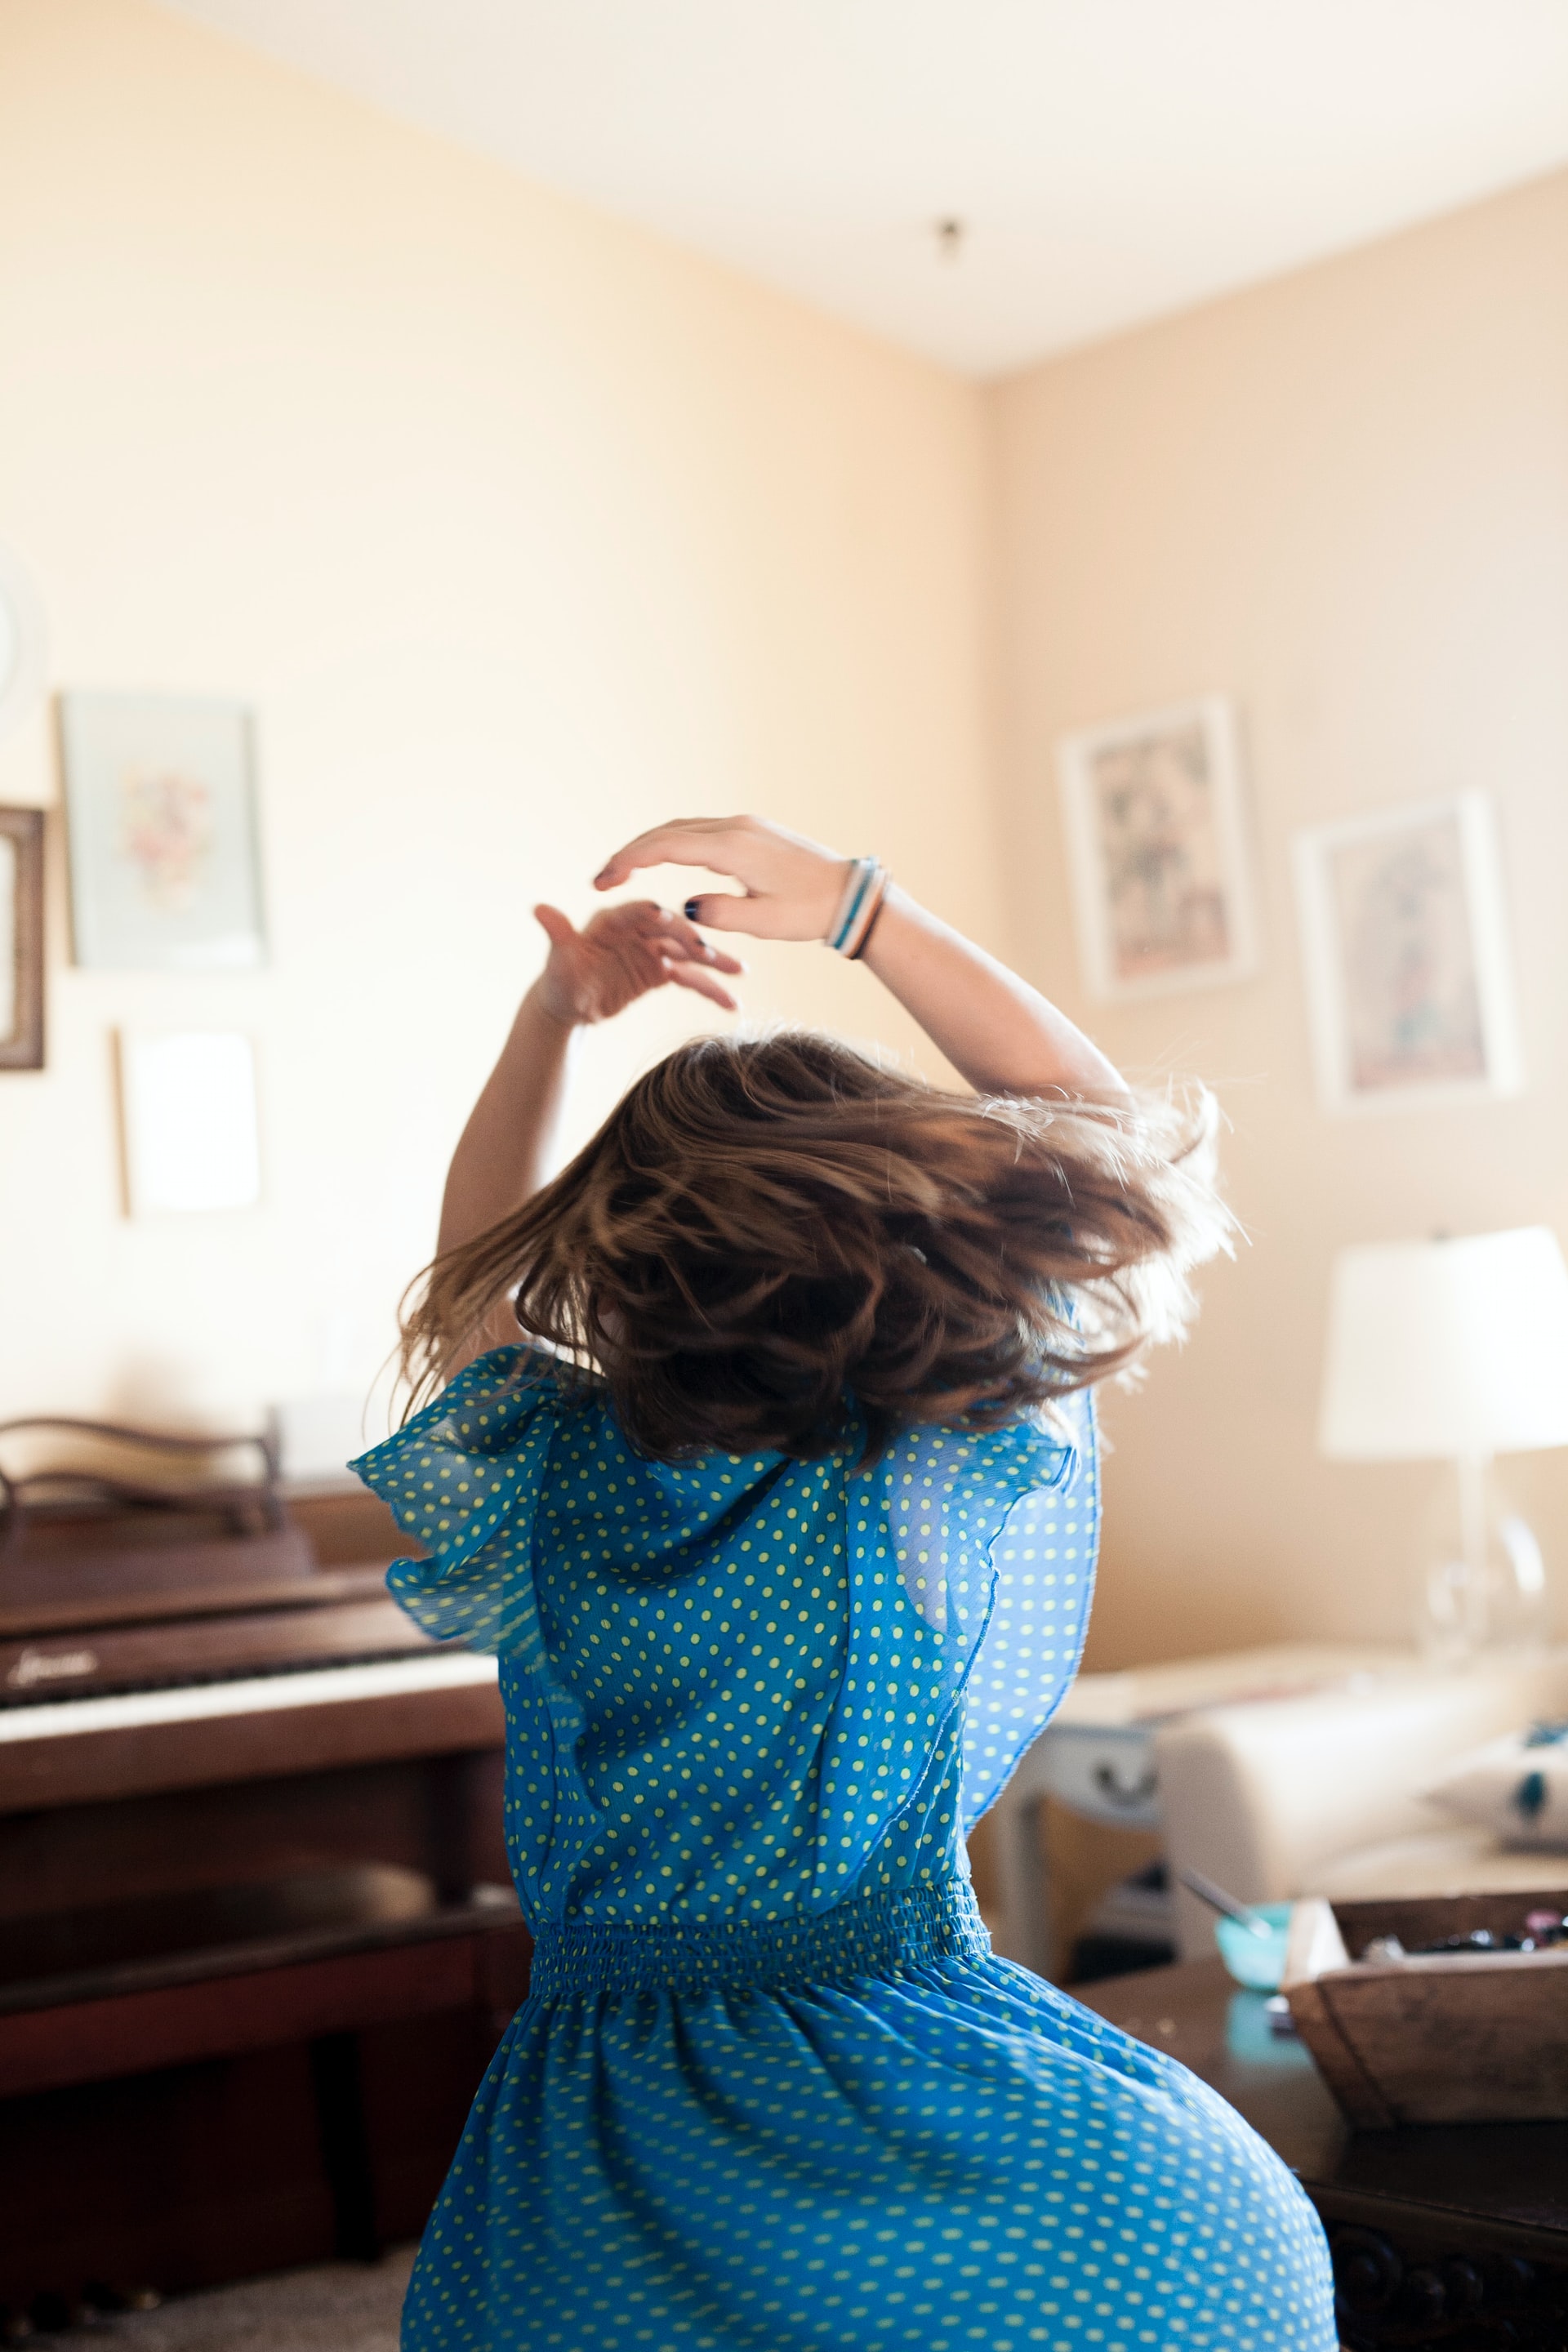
685 934
707 841
759 915
702 983
558 929
789 884
675 933
649 947
722 910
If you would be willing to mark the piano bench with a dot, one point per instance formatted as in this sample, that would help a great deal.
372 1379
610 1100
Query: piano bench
179 2123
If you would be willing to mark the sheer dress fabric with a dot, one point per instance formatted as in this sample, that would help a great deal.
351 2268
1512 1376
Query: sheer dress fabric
771 2090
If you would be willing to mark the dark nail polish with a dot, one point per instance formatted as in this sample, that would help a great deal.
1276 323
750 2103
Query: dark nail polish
689 910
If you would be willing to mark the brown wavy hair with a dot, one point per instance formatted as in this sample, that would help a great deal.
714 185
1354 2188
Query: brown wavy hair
766 1228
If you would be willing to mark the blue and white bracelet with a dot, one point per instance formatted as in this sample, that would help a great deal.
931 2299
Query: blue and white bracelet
859 908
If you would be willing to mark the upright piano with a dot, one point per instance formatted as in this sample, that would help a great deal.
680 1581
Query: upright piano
257 1936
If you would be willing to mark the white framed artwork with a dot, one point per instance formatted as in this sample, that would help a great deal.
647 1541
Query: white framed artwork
161 817
1405 937
1157 848
191 1135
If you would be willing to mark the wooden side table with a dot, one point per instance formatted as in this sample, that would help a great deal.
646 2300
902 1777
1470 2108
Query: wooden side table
1446 2235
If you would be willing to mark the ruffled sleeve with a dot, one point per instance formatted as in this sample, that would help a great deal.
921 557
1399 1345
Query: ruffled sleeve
958 1594
463 1478
1043 1563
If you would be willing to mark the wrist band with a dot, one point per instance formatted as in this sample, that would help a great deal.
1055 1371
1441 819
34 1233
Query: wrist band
869 925
863 913
855 883
858 907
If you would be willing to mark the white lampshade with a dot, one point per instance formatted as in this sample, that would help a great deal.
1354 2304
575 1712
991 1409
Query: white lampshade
1446 1347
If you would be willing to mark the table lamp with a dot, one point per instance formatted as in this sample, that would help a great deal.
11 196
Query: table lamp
1459 1350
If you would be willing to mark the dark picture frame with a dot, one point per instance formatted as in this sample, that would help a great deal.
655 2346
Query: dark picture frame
22 932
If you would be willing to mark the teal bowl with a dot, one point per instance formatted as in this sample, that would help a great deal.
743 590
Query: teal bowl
1257 1961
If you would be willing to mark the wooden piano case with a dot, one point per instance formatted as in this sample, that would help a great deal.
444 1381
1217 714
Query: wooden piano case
257 1939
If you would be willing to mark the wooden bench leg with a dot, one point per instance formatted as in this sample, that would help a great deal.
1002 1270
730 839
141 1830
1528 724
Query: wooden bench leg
345 2144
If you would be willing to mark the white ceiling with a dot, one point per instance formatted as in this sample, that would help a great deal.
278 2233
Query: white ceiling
1111 159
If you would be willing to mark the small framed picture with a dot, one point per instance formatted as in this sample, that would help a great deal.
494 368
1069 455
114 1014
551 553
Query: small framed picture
161 811
21 939
1157 847
191 1135
1404 933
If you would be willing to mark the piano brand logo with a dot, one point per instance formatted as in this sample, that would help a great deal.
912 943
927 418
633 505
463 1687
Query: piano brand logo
51 1665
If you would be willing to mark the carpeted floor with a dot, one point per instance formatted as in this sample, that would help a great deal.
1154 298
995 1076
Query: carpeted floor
341 2307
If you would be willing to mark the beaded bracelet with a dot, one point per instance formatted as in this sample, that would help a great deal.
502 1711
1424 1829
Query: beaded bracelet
858 907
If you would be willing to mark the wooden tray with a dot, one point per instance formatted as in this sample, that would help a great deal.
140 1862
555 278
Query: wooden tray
1463 2038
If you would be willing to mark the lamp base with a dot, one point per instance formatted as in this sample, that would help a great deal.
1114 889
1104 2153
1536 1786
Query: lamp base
1484 1586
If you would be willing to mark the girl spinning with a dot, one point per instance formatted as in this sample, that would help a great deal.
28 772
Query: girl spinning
768 1473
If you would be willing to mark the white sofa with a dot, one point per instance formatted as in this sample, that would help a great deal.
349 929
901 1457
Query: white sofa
1319 1795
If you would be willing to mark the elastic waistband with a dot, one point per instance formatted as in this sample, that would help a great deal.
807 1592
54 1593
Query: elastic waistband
878 1935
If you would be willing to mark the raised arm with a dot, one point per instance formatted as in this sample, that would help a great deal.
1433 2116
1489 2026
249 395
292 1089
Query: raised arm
1000 1033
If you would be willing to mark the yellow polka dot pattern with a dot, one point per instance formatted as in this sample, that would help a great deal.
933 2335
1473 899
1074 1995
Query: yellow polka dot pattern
740 1694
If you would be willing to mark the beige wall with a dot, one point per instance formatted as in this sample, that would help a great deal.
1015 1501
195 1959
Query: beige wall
1342 497
522 531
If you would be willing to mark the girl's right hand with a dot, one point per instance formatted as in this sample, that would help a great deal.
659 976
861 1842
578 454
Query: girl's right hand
619 955
790 887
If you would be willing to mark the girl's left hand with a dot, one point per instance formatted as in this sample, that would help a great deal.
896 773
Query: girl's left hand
618 955
790 887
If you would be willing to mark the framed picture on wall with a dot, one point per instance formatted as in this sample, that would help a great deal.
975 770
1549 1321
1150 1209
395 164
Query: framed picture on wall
189 1128
1156 845
21 939
1404 935
161 811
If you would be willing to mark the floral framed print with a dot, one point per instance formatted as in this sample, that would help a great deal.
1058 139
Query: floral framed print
21 939
1405 934
1156 842
160 813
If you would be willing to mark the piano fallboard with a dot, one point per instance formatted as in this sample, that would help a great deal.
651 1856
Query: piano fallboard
62 1603
91 1658
61 1579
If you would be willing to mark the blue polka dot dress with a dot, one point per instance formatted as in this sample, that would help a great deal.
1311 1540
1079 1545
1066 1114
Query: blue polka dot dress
771 2091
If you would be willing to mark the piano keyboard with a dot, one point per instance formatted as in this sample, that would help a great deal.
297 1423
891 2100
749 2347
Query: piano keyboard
258 1695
